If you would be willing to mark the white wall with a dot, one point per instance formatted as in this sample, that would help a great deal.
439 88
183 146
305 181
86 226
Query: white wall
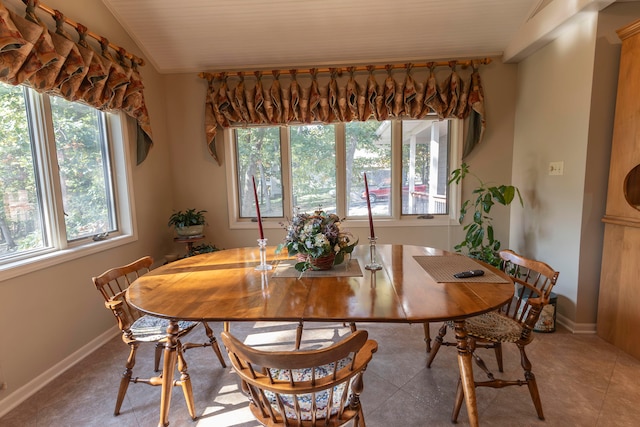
49 314
564 112
552 124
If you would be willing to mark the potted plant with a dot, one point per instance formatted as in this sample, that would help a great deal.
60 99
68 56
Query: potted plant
188 223
479 241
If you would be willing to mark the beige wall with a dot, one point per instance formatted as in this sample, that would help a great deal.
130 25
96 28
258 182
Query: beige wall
49 314
52 313
566 98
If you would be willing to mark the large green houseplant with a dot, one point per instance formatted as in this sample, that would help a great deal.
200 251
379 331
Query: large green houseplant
188 223
479 241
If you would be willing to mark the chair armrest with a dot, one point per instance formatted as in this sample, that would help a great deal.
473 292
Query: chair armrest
113 304
118 308
539 301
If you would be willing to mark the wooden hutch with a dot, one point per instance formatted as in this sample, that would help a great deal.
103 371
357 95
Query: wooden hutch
619 300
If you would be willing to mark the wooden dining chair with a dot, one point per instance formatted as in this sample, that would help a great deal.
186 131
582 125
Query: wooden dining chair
138 328
512 323
310 388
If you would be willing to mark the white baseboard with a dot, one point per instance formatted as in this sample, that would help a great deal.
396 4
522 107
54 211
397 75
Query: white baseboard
576 328
23 393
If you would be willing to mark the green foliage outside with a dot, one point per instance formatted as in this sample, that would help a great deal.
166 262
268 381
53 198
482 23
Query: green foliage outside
17 176
86 197
313 164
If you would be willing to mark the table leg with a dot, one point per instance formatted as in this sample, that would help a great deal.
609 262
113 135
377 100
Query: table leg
168 368
466 373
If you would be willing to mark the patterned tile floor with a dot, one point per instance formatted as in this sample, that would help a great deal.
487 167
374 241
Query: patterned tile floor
583 380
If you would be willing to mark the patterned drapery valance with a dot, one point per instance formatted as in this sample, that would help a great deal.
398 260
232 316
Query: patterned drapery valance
346 94
51 62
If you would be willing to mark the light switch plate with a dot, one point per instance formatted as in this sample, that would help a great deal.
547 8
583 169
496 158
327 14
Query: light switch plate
556 168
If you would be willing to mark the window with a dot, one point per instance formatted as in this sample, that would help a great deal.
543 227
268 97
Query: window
59 188
407 163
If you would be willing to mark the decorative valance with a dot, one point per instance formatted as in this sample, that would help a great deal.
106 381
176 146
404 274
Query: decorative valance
346 94
51 62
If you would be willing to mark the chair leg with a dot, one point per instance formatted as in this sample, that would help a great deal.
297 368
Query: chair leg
185 382
299 335
158 356
498 350
535 396
214 343
427 336
458 403
436 344
353 327
359 419
126 377
531 382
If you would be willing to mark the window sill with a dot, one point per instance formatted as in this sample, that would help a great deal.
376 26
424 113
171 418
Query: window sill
55 257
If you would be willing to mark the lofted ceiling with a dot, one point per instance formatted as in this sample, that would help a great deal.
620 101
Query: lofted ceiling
216 35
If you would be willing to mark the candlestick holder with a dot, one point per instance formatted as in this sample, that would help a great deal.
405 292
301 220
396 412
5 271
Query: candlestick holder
263 266
265 284
373 264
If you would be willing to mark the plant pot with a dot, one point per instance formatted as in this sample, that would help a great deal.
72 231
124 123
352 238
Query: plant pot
321 263
190 231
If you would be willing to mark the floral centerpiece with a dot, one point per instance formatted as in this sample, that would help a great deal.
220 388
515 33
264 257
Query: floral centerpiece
318 240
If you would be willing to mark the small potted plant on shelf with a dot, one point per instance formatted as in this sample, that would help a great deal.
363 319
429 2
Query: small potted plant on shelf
188 223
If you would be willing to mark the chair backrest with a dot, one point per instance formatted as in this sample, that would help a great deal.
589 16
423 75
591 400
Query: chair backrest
113 284
533 281
310 388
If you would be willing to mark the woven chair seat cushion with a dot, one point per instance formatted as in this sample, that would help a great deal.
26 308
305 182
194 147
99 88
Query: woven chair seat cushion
305 400
150 328
493 326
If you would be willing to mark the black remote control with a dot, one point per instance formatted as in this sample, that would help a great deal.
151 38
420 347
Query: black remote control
470 273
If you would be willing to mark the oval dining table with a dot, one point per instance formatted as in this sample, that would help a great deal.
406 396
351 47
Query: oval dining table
414 285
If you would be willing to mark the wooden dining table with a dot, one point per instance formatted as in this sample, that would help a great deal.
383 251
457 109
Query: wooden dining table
415 285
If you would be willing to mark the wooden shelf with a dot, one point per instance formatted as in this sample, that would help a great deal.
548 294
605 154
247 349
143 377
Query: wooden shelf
189 241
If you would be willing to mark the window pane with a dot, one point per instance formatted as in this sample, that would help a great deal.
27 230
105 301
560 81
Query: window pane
425 159
21 225
313 167
368 150
84 169
258 154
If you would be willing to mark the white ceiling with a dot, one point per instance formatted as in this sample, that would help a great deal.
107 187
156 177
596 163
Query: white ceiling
216 35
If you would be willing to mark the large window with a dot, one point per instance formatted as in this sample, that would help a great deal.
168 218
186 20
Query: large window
304 167
57 189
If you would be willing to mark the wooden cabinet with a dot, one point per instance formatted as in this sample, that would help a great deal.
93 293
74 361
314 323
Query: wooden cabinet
619 300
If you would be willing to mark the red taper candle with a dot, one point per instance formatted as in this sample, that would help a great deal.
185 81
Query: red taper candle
255 194
366 189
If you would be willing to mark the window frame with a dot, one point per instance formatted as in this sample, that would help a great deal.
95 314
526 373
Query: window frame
118 132
396 219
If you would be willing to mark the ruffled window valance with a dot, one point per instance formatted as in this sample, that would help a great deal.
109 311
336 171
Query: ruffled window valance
51 62
347 94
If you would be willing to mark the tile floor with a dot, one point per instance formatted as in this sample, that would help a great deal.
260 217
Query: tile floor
583 380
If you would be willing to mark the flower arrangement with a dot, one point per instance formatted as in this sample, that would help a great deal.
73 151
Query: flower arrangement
316 235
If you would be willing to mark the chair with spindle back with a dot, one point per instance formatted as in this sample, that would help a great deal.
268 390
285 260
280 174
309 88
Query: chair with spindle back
512 323
304 388
138 328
